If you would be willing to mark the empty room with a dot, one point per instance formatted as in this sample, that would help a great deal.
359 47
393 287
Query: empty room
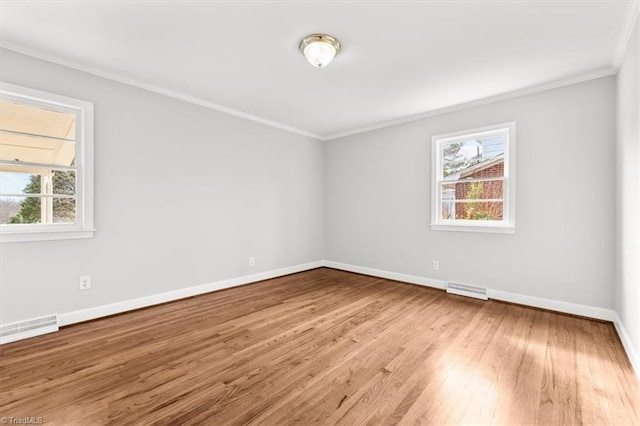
319 212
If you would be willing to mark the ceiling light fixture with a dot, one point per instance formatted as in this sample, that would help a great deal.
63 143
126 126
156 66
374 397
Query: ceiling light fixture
319 49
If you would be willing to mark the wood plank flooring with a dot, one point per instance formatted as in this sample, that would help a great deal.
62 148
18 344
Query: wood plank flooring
324 347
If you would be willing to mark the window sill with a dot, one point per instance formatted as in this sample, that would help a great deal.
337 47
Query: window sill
474 228
15 237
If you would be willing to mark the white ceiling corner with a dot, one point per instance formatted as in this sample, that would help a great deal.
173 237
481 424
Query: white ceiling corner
626 30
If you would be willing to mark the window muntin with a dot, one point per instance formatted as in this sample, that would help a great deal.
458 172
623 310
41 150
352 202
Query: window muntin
46 161
473 184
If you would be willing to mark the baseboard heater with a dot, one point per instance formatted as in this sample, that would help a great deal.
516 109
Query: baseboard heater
29 328
468 290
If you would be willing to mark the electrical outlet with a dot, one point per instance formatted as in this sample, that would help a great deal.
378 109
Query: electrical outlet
252 261
436 265
84 283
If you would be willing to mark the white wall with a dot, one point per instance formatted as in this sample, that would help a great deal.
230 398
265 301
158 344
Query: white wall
167 221
377 203
184 195
627 291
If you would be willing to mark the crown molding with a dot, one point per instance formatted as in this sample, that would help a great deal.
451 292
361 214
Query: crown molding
380 125
479 102
625 33
152 88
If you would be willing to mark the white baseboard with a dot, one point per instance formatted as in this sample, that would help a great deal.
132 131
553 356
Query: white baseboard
521 299
553 305
627 344
412 279
68 318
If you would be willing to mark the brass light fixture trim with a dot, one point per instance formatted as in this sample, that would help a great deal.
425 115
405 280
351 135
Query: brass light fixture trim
319 39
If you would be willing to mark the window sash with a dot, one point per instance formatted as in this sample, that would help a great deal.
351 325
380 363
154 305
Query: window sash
454 181
441 186
39 165
505 203
43 170
23 195
475 200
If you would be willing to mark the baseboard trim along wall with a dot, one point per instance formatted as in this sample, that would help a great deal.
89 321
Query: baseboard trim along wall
553 305
521 299
626 343
411 279
155 299
69 318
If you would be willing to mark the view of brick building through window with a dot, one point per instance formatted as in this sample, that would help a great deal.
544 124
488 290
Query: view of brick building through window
481 190
473 179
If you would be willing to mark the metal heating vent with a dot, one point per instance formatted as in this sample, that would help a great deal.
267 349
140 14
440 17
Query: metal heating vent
30 328
467 290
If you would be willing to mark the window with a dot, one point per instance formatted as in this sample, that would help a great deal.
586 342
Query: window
473 180
46 165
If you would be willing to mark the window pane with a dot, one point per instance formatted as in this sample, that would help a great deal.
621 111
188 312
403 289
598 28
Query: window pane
33 120
480 190
484 210
16 210
63 182
64 210
33 149
20 210
473 158
29 180
9 208
15 182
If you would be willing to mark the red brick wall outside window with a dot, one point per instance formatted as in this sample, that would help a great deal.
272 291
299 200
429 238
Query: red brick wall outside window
481 190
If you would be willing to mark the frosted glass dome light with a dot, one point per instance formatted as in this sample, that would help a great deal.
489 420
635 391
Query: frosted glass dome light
319 49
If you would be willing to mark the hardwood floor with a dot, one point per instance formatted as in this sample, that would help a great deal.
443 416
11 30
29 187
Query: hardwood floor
326 347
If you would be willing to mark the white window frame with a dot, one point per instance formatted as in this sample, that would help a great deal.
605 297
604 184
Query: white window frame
508 222
83 228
